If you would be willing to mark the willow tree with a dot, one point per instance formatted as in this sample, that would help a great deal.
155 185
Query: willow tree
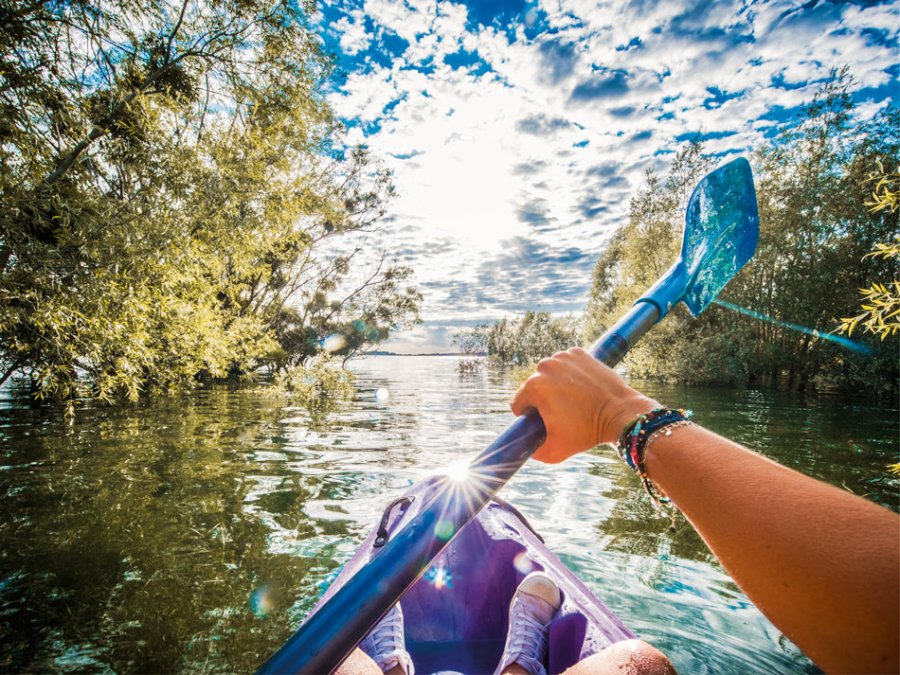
881 301
812 185
172 180
523 341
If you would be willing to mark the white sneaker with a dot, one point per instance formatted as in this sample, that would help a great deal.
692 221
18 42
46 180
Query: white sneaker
386 645
532 608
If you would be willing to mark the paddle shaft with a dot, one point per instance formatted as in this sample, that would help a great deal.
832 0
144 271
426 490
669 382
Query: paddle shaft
327 637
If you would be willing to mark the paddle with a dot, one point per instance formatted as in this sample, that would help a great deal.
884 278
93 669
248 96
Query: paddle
720 233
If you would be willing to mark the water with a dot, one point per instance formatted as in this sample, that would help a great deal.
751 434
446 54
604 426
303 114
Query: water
193 534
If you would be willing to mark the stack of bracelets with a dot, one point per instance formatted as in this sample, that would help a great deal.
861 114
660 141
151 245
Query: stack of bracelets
638 435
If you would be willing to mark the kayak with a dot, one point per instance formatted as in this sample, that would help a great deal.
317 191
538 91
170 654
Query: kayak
456 614
455 595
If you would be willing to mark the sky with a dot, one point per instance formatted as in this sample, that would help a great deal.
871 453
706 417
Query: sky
517 131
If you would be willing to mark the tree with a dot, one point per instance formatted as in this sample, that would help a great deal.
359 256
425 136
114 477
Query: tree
173 191
811 183
472 341
526 340
881 302
815 229
637 255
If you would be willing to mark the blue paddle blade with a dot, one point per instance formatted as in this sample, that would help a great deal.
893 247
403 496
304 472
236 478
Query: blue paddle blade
721 228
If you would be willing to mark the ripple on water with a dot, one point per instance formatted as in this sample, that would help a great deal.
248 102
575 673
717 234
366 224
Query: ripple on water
194 534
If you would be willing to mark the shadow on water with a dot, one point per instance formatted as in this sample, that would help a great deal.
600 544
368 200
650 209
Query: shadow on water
193 534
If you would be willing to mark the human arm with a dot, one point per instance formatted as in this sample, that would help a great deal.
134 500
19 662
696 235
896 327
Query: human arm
821 563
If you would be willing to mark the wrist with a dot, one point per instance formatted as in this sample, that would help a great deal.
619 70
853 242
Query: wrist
640 434
625 413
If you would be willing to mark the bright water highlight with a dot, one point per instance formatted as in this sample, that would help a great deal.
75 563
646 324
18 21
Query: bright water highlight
194 534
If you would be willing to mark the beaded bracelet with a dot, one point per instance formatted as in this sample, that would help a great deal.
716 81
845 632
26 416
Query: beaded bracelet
640 433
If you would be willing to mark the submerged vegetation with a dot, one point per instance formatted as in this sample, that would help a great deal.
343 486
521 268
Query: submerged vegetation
320 386
176 199
527 340
813 182
519 342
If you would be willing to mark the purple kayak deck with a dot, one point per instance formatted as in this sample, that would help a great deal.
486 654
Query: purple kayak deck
456 615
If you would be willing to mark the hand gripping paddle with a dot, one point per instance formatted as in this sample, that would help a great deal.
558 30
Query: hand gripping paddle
720 233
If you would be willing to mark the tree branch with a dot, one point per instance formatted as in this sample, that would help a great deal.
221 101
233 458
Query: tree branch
13 368
175 30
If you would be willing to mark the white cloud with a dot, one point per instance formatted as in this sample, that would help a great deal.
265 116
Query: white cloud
407 21
352 31
483 160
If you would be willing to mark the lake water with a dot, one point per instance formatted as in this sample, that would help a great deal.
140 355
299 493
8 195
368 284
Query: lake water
195 533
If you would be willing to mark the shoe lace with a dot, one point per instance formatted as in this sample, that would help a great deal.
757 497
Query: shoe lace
386 636
529 636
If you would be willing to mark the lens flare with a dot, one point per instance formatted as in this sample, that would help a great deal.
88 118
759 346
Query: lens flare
443 530
334 343
260 602
466 488
846 343
523 563
439 576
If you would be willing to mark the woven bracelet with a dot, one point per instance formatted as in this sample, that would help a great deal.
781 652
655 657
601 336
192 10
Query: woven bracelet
640 433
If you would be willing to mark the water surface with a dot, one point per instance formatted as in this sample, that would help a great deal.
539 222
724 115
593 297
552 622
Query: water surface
193 534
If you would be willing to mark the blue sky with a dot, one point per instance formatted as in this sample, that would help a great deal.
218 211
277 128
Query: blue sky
517 131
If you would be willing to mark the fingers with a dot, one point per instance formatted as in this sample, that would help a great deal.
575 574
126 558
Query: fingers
580 400
559 358
574 353
548 454
524 398
528 395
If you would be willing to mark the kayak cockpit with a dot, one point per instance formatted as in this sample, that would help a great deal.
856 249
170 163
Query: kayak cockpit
456 614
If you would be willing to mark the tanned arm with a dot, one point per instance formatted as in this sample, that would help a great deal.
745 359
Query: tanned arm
821 563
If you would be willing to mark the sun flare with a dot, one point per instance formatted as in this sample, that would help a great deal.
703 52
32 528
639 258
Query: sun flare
458 471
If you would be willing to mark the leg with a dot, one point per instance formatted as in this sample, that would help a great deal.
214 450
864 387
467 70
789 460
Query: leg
358 663
629 657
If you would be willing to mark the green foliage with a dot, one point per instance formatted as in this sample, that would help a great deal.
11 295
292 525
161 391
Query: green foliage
638 255
881 302
525 341
175 199
516 375
814 229
321 387
472 341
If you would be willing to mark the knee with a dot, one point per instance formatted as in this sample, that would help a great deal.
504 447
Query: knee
358 663
628 657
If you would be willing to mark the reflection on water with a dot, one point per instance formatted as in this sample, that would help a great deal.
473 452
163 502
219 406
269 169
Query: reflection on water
193 534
